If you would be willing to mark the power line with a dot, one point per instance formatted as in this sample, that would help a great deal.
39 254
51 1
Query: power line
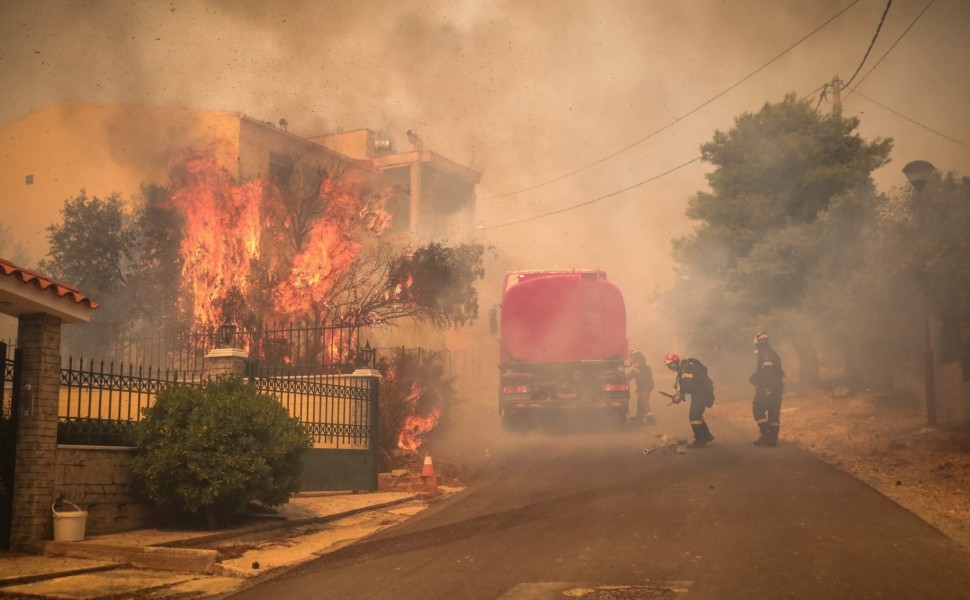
678 119
913 121
626 189
595 200
855 90
885 54
871 44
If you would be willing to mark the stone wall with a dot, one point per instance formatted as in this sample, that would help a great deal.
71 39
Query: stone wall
97 479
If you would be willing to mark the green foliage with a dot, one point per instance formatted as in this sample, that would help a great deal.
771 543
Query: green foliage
156 265
90 247
207 451
91 250
790 193
438 282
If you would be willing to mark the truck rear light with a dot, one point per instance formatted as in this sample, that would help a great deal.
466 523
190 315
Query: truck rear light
516 389
616 387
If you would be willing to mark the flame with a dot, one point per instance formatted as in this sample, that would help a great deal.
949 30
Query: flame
414 426
220 240
229 227
334 244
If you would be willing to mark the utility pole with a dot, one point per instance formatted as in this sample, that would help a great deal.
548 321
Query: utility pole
836 95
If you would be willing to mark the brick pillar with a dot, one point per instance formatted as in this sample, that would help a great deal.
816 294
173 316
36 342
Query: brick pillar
39 340
226 361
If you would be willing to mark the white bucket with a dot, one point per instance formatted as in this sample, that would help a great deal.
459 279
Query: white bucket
69 526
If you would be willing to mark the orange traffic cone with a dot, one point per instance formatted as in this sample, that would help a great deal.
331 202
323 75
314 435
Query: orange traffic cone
428 469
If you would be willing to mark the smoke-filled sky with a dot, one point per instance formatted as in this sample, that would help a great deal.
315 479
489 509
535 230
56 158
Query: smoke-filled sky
524 91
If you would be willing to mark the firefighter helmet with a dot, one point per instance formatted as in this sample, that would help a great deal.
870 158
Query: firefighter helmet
637 356
761 338
671 360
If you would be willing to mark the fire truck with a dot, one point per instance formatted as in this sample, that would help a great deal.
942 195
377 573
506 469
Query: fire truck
562 345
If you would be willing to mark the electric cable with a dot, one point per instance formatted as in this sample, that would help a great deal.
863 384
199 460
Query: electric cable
594 200
678 119
886 53
626 189
871 43
913 121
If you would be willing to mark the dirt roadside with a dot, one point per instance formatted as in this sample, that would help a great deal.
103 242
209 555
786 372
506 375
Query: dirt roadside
885 443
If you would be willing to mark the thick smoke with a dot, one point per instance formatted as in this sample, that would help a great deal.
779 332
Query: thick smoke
524 92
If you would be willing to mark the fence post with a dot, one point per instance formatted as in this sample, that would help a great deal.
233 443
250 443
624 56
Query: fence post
222 362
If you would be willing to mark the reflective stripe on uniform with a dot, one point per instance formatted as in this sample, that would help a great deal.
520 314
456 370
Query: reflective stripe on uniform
761 421
701 422
688 376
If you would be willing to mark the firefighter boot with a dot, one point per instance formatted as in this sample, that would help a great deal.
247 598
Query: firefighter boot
708 436
700 440
772 436
761 441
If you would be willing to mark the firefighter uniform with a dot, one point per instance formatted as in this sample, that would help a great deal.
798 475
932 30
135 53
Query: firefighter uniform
693 380
643 376
768 380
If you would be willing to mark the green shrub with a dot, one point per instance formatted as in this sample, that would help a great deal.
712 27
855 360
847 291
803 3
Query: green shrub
206 451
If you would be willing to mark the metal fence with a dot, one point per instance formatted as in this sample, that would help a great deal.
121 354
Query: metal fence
338 411
101 400
331 347
99 404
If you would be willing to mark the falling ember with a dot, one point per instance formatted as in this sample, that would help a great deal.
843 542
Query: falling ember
414 426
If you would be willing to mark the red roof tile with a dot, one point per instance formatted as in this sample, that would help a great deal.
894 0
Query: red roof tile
43 282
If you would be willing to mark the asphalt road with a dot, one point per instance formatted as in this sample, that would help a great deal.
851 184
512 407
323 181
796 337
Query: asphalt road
587 514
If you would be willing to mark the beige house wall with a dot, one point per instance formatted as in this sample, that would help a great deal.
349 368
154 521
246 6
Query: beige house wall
102 148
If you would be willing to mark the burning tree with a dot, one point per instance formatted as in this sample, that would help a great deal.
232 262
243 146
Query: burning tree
302 247
415 394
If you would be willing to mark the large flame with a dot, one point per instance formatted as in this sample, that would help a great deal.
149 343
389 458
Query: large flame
415 426
220 240
226 224
333 246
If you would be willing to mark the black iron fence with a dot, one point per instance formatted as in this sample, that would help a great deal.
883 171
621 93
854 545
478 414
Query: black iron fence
339 411
101 400
99 404
331 347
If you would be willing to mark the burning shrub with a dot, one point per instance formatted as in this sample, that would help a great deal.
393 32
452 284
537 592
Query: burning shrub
207 451
415 399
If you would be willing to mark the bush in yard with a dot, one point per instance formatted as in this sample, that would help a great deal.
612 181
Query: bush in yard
207 451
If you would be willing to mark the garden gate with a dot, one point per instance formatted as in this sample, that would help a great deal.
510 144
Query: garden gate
9 386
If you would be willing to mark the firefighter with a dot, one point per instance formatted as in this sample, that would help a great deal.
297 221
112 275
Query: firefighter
641 373
768 381
692 380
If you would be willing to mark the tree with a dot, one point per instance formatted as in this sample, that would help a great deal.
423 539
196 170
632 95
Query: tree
756 253
90 249
156 266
